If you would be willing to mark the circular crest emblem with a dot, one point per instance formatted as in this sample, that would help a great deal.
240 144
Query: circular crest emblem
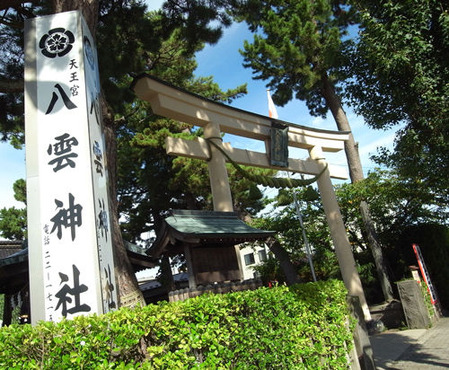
57 42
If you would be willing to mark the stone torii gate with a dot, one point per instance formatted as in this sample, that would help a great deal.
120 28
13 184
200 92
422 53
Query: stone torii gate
215 118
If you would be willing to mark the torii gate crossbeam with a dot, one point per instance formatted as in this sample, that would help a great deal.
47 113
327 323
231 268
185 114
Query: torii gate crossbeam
216 118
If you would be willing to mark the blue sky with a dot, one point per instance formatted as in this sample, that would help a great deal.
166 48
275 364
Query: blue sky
224 62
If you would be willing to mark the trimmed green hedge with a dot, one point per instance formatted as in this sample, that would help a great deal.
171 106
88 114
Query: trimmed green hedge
305 326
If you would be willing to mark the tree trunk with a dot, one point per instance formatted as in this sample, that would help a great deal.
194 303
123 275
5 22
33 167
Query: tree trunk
376 250
128 289
283 257
89 8
356 174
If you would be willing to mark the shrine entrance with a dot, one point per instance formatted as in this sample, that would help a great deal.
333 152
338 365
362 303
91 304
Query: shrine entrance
215 118
207 240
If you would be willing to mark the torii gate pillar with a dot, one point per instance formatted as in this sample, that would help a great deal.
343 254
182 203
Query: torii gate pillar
219 181
339 236
218 174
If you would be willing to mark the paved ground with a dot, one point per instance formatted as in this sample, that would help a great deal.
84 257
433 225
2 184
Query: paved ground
413 349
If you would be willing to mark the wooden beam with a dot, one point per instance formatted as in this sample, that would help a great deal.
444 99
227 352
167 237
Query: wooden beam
199 149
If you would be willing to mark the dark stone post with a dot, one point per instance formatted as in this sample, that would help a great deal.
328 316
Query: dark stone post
413 304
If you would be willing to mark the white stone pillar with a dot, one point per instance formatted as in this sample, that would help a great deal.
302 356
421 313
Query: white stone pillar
218 174
69 231
219 180
337 228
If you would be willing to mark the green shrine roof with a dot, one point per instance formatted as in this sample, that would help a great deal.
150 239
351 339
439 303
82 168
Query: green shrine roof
206 224
14 251
17 257
204 228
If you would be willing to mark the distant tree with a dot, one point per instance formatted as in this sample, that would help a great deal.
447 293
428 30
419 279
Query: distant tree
288 246
397 202
13 221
